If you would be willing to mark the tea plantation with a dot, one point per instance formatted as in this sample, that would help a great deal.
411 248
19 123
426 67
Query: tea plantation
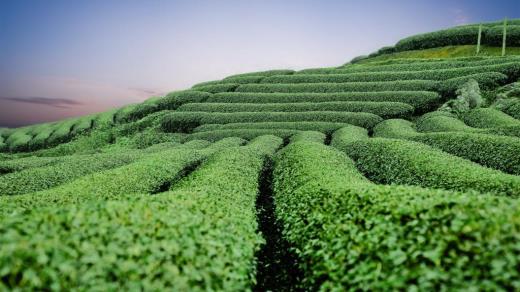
396 171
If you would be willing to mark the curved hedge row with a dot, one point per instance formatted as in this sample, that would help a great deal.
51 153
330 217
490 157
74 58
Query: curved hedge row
420 65
216 88
486 81
403 85
324 127
382 109
351 234
498 152
171 101
489 118
342 138
512 108
262 73
187 121
391 161
236 80
511 69
441 122
40 178
244 133
152 174
308 136
202 235
418 99
465 35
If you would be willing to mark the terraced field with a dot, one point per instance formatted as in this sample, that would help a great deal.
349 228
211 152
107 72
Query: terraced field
389 173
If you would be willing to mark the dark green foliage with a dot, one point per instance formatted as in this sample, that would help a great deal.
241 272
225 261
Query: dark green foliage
354 235
391 161
510 107
382 109
262 73
511 69
408 85
216 88
486 81
324 127
187 121
14 165
236 80
494 36
464 35
422 65
244 133
418 99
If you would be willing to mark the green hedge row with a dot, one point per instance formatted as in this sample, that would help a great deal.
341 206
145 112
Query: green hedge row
392 161
152 174
437 121
262 73
36 179
187 121
342 138
170 102
216 88
382 109
412 65
236 80
512 108
308 136
201 236
324 127
486 81
418 99
511 69
14 165
498 152
244 133
489 118
351 234
403 85
466 35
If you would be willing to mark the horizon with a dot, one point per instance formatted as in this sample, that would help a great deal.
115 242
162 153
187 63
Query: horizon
62 59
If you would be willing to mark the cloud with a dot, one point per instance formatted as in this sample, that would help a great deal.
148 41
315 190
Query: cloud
460 17
145 92
53 102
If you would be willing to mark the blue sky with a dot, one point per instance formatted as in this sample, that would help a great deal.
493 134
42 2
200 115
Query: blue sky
68 58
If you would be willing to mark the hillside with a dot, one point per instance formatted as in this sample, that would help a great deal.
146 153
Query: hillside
398 170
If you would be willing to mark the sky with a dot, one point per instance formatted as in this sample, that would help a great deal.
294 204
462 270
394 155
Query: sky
64 58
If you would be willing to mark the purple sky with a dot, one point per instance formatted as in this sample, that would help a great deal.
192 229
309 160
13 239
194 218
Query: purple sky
66 58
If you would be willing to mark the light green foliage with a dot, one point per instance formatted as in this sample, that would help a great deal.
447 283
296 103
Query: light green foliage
40 178
310 136
351 234
489 118
498 152
342 138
